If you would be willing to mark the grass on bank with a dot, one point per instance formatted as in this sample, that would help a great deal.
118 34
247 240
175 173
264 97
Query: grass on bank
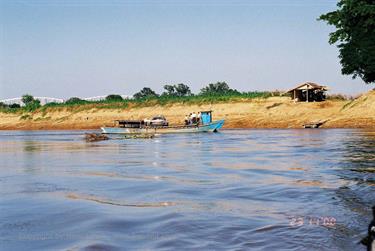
79 105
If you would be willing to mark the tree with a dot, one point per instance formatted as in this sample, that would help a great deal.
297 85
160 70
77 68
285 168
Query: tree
146 92
14 105
178 90
182 90
219 88
169 90
27 99
74 100
114 97
30 102
355 35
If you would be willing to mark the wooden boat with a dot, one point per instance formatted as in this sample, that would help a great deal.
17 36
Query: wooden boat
315 124
139 127
312 125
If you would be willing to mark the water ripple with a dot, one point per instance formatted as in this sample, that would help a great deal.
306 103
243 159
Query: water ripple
234 190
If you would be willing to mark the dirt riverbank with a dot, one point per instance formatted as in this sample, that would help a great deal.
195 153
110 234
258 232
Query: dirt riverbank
275 112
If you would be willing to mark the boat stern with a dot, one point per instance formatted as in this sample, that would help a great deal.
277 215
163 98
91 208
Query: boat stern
218 125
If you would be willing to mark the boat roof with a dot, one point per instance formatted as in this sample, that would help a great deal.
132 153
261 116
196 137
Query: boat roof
129 121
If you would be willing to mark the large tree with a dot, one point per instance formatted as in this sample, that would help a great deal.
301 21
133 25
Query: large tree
178 90
30 102
355 37
219 88
27 99
146 92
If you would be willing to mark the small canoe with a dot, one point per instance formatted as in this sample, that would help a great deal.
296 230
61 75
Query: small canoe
213 126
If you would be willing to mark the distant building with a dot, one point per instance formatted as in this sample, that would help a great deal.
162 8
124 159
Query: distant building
308 92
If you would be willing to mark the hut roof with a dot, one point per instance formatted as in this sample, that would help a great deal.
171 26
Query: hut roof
309 86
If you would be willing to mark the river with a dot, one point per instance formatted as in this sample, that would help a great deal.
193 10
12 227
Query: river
307 189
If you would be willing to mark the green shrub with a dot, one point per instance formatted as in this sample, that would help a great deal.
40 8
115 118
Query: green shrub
14 106
26 117
113 97
75 101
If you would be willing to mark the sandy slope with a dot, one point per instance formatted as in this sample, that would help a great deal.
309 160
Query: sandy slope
276 112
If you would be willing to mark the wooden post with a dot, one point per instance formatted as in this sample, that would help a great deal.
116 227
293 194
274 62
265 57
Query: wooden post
294 94
307 95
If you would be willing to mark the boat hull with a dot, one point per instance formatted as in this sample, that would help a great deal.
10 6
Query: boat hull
211 127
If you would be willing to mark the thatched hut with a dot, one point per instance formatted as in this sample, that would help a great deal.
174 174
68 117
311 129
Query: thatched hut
308 92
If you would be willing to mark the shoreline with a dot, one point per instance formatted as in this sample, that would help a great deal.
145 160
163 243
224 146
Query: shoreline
222 129
272 113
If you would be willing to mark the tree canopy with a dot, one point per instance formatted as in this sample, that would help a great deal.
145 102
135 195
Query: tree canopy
178 90
30 102
218 88
27 99
3 105
14 105
74 100
146 92
355 35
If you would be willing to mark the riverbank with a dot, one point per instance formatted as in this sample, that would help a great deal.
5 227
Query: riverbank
273 112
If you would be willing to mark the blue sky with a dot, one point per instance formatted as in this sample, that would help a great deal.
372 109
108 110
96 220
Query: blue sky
89 48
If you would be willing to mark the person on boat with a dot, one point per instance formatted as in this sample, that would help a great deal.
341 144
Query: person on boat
194 118
186 120
189 119
146 121
199 117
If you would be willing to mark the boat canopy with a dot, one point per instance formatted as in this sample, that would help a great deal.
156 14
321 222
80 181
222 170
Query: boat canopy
206 117
129 123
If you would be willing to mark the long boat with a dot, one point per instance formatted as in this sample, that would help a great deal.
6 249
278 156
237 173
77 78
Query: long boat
138 127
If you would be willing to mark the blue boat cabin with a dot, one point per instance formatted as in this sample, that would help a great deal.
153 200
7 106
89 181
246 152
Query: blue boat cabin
206 117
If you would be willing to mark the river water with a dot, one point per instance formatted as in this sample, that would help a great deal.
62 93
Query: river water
233 190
